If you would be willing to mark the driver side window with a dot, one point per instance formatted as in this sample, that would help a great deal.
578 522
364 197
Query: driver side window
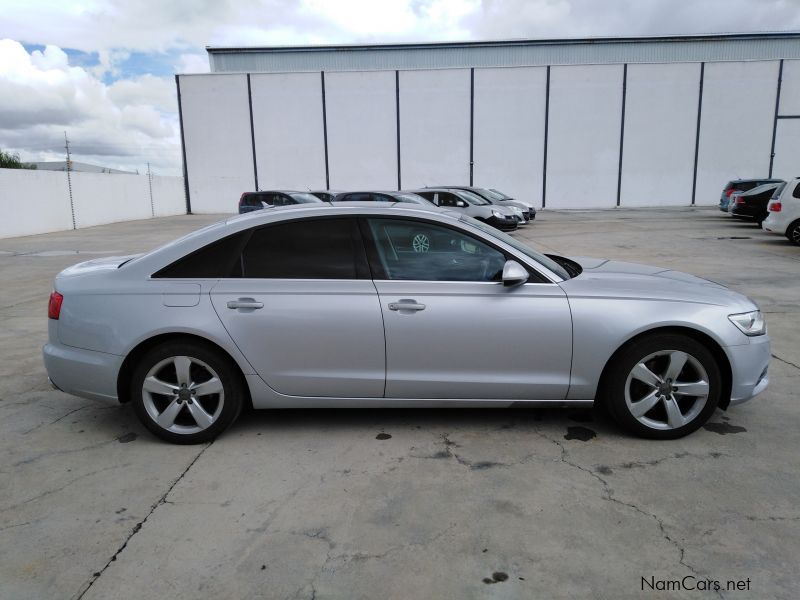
407 249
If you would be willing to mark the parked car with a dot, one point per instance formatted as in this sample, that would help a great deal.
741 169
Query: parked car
752 204
322 305
407 197
251 201
784 212
472 205
740 185
527 210
325 195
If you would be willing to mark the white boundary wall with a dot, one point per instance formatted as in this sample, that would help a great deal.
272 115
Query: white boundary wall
35 202
580 136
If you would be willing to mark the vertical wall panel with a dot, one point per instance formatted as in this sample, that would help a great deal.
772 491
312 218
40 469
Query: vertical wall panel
736 126
434 127
660 130
787 149
287 121
216 125
362 130
583 137
790 89
509 130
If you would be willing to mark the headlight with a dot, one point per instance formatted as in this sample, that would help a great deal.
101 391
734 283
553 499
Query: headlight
498 215
750 323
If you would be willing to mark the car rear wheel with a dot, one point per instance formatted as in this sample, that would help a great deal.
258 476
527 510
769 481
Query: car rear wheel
793 233
186 393
663 386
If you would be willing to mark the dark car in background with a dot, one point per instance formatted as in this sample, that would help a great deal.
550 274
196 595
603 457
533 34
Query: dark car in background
753 203
251 201
325 195
741 185
407 197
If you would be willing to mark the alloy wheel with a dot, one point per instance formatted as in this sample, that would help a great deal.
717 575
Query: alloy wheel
183 395
421 243
667 389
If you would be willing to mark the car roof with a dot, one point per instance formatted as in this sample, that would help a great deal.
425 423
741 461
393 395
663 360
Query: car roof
754 179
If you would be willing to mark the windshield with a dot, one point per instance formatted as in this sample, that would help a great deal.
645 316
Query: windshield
413 198
517 245
472 198
501 194
304 198
491 194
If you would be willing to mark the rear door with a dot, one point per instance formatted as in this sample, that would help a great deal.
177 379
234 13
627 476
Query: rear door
305 312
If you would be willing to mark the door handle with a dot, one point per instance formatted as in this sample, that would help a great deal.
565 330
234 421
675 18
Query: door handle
245 303
406 305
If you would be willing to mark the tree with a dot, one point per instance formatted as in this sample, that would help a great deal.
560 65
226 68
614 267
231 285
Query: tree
12 161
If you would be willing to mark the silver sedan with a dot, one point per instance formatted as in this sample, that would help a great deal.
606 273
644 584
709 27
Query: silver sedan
334 306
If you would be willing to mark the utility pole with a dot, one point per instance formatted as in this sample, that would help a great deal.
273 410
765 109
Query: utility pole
150 183
69 181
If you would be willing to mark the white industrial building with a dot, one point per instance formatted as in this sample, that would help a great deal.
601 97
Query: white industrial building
588 123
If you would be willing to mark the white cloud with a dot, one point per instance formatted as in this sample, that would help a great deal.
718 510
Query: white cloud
123 125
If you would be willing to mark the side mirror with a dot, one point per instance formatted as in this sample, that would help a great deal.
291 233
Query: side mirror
514 274
461 204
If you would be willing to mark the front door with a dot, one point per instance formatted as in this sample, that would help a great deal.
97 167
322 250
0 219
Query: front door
305 313
453 330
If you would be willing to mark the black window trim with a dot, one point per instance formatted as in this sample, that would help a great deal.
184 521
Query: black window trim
373 259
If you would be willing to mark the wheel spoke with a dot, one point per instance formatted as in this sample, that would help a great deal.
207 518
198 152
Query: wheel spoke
167 418
695 388
674 414
638 409
155 386
642 373
677 360
201 417
212 386
182 369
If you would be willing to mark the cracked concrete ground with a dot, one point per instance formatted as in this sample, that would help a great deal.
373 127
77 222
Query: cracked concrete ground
402 503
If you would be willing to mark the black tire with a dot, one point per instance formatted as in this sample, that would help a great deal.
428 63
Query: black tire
613 393
793 233
232 397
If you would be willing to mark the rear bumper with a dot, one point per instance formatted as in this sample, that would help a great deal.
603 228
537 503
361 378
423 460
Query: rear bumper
749 364
82 372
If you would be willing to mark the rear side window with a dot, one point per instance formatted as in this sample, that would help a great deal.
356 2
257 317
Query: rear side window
796 192
304 249
216 260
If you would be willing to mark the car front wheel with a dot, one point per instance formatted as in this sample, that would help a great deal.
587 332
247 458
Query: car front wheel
663 386
186 393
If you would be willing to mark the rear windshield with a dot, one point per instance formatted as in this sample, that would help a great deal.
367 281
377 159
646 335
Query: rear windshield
304 198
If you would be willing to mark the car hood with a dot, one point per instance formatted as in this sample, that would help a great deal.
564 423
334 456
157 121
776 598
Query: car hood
616 279
98 264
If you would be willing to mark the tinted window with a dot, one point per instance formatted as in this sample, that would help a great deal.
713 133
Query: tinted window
218 259
359 197
304 249
447 199
304 198
251 200
280 200
473 198
416 250
796 192
429 196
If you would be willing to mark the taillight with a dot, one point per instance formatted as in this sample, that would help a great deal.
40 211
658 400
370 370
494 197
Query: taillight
740 200
775 207
54 306
729 192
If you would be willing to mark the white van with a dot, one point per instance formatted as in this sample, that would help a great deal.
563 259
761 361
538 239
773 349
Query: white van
784 212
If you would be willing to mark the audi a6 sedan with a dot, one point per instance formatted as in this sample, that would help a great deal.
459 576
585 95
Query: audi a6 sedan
323 305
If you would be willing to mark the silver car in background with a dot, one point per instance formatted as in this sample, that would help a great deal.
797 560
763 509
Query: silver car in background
322 305
505 218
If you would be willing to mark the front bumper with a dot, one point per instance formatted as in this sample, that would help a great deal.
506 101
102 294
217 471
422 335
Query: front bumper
506 224
80 372
749 364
